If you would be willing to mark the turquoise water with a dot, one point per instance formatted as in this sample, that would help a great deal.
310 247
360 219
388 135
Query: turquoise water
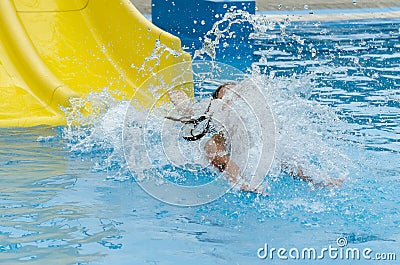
66 196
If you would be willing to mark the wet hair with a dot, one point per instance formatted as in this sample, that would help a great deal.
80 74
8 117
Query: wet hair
196 122
215 94
199 120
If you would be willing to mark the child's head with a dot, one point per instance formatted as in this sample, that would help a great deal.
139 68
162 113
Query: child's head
221 90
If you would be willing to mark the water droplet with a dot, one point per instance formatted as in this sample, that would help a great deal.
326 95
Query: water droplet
203 22
355 2
263 60
217 16
272 74
279 6
194 21
225 6
313 52
305 6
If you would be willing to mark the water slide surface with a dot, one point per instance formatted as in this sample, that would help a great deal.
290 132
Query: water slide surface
55 50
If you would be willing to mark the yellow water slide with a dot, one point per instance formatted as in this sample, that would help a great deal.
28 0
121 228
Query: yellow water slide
54 50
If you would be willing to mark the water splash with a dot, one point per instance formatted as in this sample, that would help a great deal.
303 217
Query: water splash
152 62
226 29
94 128
310 134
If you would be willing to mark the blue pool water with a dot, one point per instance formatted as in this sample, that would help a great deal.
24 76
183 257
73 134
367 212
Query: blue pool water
66 196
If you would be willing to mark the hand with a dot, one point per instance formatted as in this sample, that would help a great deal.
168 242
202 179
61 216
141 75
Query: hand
334 183
181 101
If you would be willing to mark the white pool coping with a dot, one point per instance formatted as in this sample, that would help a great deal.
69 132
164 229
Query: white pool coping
334 14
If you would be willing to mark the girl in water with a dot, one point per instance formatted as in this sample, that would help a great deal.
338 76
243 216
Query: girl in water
217 148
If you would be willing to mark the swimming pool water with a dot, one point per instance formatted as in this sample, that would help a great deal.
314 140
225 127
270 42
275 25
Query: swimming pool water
61 203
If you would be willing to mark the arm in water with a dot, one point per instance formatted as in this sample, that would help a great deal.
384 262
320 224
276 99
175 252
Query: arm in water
218 156
297 172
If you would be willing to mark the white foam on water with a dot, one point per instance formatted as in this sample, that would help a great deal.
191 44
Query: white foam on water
307 134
